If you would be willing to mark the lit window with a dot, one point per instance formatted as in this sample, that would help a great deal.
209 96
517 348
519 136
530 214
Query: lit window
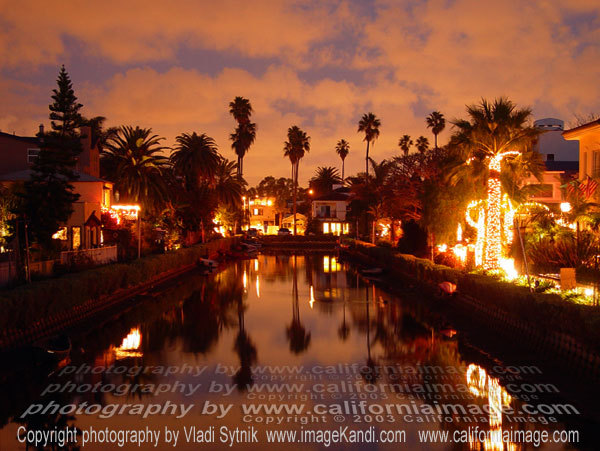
76 237
325 227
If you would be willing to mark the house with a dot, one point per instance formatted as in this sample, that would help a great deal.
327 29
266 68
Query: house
83 230
330 210
557 173
263 215
301 221
588 136
561 158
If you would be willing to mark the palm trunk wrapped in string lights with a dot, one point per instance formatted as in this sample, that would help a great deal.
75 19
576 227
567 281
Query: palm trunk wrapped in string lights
493 228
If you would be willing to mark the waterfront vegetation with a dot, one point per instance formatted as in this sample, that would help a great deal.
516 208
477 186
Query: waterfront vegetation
550 311
24 305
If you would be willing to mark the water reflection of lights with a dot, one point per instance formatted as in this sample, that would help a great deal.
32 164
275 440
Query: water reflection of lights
245 280
130 345
257 286
330 264
482 385
312 297
256 265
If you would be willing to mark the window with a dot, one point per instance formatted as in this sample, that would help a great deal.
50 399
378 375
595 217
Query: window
32 155
257 212
541 190
76 238
550 157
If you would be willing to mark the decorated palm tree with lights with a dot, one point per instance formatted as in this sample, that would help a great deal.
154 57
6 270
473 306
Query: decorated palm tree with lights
294 148
342 148
369 125
494 134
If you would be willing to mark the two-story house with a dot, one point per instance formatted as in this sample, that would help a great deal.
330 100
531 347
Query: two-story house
264 215
330 210
83 230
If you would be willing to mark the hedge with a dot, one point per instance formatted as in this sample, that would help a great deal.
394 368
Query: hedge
546 310
26 304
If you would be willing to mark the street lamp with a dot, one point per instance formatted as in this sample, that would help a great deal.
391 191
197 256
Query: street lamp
565 207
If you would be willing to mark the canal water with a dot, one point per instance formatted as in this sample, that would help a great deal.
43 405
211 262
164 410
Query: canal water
301 346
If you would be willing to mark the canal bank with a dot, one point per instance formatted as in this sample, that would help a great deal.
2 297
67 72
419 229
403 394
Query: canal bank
544 322
39 310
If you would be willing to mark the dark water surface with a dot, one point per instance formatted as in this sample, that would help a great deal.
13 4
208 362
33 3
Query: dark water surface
295 344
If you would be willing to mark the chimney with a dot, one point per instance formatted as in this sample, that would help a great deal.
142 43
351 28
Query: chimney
41 129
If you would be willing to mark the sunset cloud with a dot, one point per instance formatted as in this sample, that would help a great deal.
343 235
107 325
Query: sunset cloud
321 65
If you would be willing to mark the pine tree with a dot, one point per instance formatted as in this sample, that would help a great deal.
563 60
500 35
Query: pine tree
48 195
65 109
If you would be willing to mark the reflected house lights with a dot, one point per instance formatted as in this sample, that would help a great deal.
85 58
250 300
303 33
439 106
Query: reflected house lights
130 345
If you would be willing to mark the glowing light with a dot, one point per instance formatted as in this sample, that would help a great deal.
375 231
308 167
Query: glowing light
310 191
589 292
119 212
61 234
130 345
312 297
565 207
459 233
442 247
508 266
257 286
482 385
460 251
256 265
245 280
479 226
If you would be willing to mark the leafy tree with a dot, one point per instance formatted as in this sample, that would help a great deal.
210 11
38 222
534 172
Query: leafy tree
132 160
295 147
342 148
245 132
405 143
324 179
369 125
436 122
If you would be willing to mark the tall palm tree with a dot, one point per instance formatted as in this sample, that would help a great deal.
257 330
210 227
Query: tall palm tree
494 132
369 125
295 147
422 144
342 148
296 333
245 133
325 178
405 143
436 122
131 159
196 158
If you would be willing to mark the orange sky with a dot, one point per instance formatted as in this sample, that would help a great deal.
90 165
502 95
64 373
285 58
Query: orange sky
174 66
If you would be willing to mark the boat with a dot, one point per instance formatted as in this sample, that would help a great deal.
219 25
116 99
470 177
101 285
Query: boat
58 347
208 263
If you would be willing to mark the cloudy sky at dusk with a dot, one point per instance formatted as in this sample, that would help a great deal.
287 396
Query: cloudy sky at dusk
174 66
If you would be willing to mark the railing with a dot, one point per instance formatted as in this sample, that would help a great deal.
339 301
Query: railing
99 256
324 214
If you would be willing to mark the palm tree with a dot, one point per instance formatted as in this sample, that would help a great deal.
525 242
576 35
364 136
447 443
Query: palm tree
422 144
131 159
295 147
245 133
405 143
369 125
228 187
494 132
342 148
324 179
196 158
436 122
